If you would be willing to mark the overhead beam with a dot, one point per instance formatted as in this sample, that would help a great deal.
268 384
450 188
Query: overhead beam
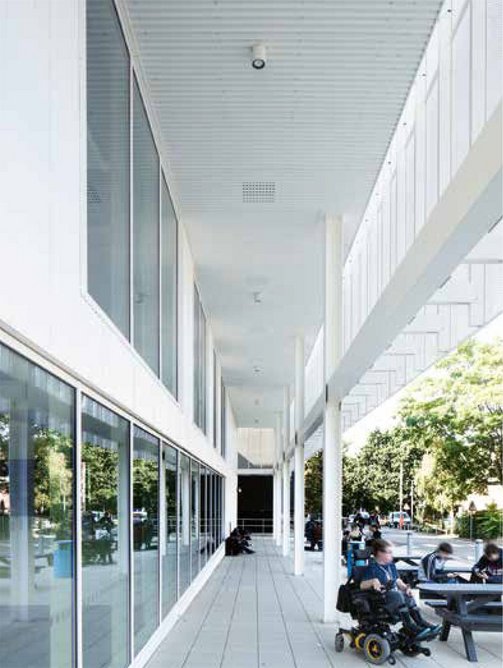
468 209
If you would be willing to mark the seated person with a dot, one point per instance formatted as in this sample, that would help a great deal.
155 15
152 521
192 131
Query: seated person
308 532
381 575
488 569
355 533
374 533
432 565
317 535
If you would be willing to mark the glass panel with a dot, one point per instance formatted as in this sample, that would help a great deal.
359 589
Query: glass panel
107 163
203 515
145 236
223 424
218 496
184 523
214 391
194 524
105 536
145 535
168 288
211 488
37 414
199 363
169 560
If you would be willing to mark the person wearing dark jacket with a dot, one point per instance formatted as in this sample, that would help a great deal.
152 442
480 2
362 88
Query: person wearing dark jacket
373 534
308 532
489 569
381 575
432 566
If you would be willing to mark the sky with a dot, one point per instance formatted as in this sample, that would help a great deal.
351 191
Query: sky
383 416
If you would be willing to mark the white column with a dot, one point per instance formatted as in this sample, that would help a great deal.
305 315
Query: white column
299 458
332 450
286 474
277 482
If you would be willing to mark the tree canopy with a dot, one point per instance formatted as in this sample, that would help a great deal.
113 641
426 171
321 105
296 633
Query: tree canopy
448 437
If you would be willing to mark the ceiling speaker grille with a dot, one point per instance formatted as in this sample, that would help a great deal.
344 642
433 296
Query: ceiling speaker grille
259 192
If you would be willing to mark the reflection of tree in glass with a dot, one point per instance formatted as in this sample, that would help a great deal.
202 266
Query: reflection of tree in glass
145 479
53 478
100 478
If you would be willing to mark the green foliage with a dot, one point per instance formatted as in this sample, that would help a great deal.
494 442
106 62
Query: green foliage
484 524
372 478
100 476
456 414
313 480
449 437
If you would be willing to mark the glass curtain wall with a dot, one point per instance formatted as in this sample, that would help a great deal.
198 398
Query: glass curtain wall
184 523
194 517
37 536
148 315
145 535
203 514
199 363
145 236
37 449
105 537
108 163
169 558
168 291
211 513
223 421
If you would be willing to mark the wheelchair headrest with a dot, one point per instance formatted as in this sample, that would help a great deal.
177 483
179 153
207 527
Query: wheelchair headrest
357 574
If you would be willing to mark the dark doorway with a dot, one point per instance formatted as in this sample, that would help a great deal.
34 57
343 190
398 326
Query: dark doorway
255 503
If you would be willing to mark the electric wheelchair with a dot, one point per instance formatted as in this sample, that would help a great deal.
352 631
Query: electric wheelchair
373 633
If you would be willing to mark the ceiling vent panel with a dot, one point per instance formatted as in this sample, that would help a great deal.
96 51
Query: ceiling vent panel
259 192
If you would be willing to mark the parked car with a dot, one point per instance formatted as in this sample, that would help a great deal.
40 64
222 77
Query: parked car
394 519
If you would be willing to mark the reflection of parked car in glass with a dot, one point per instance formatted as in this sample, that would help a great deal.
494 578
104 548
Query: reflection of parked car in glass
394 519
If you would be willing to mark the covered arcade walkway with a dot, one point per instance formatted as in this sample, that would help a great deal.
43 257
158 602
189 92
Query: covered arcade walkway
254 613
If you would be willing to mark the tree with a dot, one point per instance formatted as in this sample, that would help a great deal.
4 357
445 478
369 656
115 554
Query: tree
313 481
456 416
449 438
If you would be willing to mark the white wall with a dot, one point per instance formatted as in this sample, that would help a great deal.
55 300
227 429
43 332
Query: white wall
43 299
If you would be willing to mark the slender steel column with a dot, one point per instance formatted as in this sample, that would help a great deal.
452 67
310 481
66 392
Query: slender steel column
286 474
299 458
332 449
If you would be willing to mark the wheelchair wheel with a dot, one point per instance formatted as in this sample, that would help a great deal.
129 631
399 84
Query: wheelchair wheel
339 642
377 649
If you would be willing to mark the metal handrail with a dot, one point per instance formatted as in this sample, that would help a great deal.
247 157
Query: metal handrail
256 524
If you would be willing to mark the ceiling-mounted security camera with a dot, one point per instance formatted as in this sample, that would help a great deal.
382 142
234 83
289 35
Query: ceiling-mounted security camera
259 56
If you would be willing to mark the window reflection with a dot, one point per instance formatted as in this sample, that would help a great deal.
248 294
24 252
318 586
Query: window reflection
145 535
199 363
194 521
184 522
36 516
108 162
168 290
169 560
105 544
145 236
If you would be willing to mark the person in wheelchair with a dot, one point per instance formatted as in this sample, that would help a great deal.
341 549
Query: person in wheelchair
381 575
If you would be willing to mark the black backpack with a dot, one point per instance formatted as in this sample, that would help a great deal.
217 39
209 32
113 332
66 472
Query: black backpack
344 598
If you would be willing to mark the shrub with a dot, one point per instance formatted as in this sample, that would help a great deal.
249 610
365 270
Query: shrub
486 523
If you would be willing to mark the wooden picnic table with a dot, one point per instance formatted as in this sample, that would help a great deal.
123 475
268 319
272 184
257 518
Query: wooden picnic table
471 607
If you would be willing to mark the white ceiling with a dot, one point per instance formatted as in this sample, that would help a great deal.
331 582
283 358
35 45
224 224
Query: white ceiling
315 122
